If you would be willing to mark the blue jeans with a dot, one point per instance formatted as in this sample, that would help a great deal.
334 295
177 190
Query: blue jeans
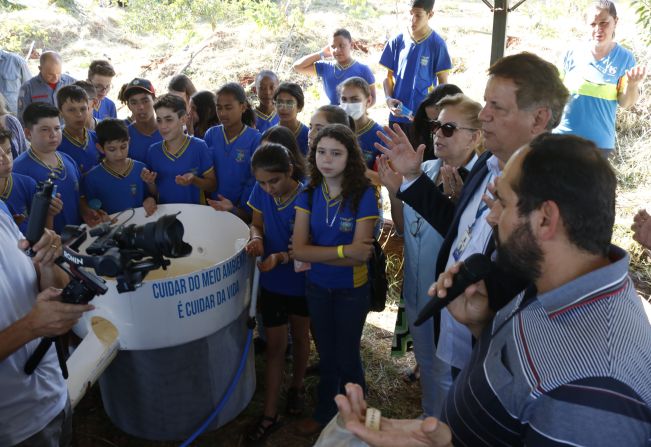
338 317
435 375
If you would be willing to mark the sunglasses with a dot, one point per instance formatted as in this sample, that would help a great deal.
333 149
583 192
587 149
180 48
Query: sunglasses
447 129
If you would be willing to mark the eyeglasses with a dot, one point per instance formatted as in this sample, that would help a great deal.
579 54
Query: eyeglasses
285 104
447 129
102 88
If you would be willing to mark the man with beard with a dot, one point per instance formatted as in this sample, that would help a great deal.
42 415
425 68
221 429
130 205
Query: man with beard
566 362
524 97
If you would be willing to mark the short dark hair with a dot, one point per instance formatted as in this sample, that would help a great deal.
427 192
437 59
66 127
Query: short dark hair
574 174
73 93
38 110
539 83
427 5
336 115
343 33
182 83
100 67
173 102
292 88
111 129
90 89
5 134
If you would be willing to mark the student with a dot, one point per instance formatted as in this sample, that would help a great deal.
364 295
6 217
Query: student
17 190
203 113
182 86
139 95
78 142
289 101
283 136
91 91
335 217
129 119
333 72
355 94
422 131
416 62
43 130
326 115
233 143
101 74
282 297
266 84
179 167
115 184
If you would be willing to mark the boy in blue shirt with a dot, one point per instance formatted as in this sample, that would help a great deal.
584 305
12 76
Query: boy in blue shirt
139 95
416 62
91 91
43 130
334 72
16 190
180 166
266 84
100 74
78 142
115 184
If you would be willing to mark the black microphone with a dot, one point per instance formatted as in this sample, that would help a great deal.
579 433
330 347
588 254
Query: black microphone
472 270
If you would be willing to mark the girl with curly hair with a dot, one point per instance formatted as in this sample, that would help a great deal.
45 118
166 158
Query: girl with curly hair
333 231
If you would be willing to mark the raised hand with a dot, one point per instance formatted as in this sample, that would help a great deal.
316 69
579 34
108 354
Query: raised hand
221 204
390 179
400 152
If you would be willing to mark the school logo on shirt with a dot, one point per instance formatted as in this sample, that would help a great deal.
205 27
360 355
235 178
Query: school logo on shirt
134 189
346 224
424 60
240 155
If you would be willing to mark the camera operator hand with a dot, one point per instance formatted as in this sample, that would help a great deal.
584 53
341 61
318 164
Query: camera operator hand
47 249
50 317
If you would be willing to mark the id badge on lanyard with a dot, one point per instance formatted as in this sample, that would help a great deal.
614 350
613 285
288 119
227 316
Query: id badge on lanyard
467 235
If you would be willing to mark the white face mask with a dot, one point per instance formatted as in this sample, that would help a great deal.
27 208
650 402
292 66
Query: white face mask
354 109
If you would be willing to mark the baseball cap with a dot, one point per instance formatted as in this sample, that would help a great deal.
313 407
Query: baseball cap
138 84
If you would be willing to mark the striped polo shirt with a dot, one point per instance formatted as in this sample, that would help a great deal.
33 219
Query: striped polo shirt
571 366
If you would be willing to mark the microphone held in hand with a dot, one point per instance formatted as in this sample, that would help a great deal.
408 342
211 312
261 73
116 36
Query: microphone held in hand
476 268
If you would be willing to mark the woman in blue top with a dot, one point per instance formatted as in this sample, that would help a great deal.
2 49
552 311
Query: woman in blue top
335 217
600 75
282 299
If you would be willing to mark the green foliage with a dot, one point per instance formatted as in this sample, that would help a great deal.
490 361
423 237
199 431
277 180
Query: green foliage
15 36
360 9
7 5
643 12
169 16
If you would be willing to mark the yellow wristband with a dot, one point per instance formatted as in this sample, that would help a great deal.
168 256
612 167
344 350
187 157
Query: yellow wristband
340 252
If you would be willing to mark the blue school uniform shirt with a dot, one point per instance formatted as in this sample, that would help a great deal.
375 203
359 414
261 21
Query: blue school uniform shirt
116 191
414 66
139 143
264 122
332 74
84 153
105 110
232 160
192 157
66 181
301 138
366 137
333 223
594 85
278 229
17 195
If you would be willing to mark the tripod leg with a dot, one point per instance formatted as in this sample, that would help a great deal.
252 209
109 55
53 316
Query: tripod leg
61 355
37 355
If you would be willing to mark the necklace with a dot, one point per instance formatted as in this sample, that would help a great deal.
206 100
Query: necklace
329 222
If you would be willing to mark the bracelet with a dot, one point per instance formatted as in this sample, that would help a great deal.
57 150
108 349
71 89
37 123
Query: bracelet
252 238
340 252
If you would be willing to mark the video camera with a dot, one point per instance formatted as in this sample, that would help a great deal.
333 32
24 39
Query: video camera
124 252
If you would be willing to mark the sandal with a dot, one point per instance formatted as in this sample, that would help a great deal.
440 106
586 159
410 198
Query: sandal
259 433
295 401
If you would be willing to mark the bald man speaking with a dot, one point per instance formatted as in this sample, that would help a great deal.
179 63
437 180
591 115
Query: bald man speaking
44 86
